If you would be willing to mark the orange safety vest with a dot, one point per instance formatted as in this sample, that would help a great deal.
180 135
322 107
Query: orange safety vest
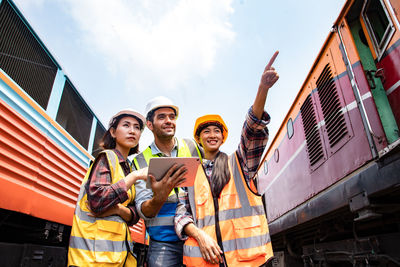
241 217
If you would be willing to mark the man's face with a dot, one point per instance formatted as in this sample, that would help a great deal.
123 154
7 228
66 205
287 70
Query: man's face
164 123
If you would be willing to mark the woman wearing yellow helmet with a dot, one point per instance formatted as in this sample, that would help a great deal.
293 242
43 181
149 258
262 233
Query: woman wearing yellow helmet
224 221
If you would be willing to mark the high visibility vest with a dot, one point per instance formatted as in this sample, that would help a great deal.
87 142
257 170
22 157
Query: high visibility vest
101 241
241 218
161 227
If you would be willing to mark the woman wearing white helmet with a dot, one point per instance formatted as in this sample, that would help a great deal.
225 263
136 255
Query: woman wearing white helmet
226 223
100 235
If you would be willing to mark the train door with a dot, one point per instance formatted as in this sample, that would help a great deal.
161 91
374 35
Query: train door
373 30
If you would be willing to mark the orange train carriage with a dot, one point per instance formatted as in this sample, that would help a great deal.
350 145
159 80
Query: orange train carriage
331 176
48 136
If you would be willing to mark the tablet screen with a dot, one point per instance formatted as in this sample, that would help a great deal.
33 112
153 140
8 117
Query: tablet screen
160 166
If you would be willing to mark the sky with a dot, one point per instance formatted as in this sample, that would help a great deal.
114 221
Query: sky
205 55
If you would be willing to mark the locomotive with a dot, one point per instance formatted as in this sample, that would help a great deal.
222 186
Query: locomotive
331 176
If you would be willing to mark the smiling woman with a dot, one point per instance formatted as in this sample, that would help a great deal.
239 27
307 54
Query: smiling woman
223 213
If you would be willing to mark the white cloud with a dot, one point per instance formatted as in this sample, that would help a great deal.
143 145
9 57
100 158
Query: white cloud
28 4
155 43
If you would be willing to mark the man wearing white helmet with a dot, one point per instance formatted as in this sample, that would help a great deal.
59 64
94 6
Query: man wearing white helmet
157 206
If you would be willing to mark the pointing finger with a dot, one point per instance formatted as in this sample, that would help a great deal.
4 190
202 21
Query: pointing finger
271 61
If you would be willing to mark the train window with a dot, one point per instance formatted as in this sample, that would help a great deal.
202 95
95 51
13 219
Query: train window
74 115
100 131
378 23
265 167
23 58
290 129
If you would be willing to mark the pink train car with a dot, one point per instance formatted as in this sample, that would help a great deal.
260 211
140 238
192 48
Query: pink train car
330 178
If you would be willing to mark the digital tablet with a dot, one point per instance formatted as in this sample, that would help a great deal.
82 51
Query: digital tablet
159 167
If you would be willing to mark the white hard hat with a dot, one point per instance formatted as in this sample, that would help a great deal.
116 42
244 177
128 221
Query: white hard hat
160 102
131 112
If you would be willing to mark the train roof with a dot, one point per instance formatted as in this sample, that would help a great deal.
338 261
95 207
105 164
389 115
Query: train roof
37 36
342 13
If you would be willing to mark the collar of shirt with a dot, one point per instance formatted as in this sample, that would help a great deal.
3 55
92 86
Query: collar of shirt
156 151
208 163
208 167
121 158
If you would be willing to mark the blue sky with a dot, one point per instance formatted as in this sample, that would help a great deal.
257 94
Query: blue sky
206 55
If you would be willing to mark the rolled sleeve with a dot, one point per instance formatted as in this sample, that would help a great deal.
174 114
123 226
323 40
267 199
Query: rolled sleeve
135 215
142 194
256 124
253 141
101 193
183 216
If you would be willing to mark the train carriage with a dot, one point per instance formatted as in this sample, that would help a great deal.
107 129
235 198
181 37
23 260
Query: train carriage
48 136
331 175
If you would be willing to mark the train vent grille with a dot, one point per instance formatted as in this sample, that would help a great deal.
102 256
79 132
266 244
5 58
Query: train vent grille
331 109
23 58
313 139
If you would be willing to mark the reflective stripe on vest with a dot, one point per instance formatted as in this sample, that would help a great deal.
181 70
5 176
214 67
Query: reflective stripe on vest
242 220
161 227
140 161
230 214
100 240
231 245
193 149
96 245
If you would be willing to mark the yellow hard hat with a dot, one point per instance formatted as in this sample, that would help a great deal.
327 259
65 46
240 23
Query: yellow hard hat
210 118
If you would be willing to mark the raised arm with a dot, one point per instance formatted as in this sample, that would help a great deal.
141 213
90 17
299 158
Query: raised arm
268 79
254 135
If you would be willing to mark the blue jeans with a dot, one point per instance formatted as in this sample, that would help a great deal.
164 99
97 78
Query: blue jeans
165 254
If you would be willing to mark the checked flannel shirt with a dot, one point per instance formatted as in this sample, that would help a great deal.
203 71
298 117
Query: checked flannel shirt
253 140
102 194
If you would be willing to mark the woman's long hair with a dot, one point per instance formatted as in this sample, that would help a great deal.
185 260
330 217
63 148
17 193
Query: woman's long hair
108 142
220 175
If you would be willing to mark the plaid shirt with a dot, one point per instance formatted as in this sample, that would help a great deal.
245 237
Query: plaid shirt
101 193
252 144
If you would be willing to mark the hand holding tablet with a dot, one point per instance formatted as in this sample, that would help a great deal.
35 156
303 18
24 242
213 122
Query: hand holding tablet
158 167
